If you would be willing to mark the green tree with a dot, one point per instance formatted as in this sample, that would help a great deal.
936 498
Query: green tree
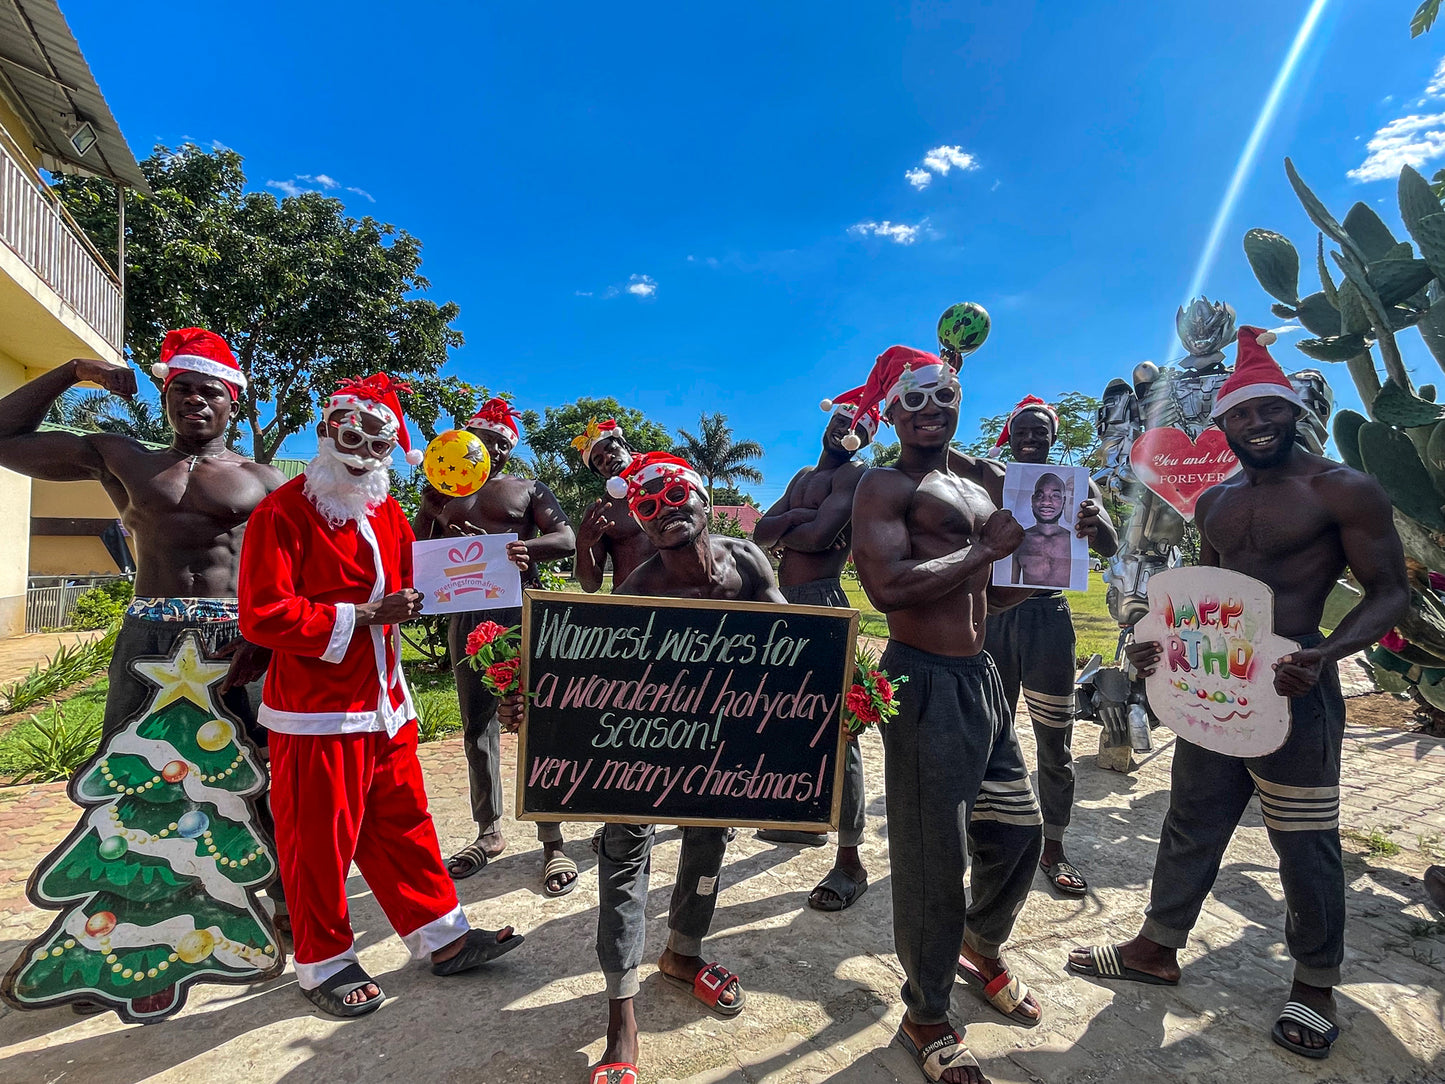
101 412
731 495
1077 441
884 455
556 463
716 455
724 524
304 294
1424 17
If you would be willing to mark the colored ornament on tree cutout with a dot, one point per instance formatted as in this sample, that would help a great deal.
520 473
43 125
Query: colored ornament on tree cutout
192 824
128 865
215 735
457 463
195 946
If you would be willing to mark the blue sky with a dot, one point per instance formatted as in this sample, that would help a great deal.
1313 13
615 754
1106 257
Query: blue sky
734 207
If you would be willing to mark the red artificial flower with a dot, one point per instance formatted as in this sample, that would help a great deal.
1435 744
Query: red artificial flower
860 703
483 634
885 688
503 674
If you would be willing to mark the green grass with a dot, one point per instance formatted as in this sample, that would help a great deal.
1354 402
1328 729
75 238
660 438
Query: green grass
82 707
1097 631
1376 843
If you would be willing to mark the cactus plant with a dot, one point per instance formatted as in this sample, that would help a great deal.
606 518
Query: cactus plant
1373 286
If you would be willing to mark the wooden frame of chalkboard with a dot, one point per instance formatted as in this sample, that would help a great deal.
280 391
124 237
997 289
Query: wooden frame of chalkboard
607 688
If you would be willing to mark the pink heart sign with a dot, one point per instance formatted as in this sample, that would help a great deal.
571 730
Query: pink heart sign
1178 469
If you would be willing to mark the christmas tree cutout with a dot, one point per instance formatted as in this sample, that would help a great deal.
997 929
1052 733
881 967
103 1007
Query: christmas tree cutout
156 886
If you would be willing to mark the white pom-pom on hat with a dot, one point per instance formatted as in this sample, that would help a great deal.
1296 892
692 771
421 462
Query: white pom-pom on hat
826 405
413 457
1265 338
159 370
617 487
852 443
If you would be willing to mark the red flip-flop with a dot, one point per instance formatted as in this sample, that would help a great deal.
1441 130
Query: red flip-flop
708 986
616 1072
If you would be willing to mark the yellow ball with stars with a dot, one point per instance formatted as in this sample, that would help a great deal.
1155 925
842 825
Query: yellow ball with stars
457 463
195 946
215 735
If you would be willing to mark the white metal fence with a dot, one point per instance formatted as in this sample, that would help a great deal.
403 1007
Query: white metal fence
50 607
35 231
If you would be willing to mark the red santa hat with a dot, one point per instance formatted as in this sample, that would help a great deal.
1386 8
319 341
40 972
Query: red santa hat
1256 375
899 369
850 404
196 350
377 396
498 416
1028 404
594 434
649 467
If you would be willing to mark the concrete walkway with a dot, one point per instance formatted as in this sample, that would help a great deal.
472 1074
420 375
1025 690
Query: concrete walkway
823 989
19 654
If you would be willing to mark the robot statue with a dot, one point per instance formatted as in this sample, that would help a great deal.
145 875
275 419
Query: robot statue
1178 396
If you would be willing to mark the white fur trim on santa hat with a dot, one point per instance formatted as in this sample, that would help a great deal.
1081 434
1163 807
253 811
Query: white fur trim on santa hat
654 471
495 427
192 363
346 401
1247 392
414 457
826 405
617 487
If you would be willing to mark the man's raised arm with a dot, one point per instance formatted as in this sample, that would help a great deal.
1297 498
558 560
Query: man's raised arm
56 457
892 579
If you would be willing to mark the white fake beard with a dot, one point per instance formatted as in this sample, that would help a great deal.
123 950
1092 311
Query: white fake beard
338 494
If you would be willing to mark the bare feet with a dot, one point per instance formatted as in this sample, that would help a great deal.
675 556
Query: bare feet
447 951
1141 954
621 1033
991 967
369 992
560 880
1319 998
847 861
492 843
687 967
923 1034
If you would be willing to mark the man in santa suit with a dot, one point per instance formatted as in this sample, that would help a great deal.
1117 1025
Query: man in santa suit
325 581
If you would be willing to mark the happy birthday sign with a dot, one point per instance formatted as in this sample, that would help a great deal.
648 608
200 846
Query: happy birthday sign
678 711
1178 469
1214 684
458 575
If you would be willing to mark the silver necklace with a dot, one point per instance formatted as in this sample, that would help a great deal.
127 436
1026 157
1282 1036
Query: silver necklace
198 456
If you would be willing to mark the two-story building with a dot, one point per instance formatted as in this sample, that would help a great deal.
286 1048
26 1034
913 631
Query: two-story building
59 297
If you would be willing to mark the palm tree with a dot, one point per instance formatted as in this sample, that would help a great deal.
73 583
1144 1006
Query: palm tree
885 455
715 454
101 412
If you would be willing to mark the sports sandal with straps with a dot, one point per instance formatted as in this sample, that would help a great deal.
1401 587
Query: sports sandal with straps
1305 1018
708 986
1004 992
1106 963
939 1056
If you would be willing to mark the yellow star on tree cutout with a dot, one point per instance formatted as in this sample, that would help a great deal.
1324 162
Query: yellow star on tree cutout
186 675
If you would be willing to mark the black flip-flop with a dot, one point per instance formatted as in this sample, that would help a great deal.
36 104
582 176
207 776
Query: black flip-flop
845 888
1305 1018
798 839
1106 963
1063 867
330 996
480 947
472 853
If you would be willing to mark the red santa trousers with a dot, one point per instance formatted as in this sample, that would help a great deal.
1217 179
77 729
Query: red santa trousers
339 797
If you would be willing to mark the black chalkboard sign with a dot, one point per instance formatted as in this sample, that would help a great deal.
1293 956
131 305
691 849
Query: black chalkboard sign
678 711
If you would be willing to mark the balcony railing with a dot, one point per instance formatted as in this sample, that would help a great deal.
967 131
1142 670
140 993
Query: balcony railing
32 228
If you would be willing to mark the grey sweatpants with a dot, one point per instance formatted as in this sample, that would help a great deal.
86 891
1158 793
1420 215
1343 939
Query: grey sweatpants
481 732
1032 645
1299 794
624 863
830 592
957 792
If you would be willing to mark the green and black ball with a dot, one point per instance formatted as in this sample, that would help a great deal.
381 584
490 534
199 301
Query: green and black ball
962 328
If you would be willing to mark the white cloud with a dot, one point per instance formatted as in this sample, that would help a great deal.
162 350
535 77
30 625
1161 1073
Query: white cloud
918 178
942 159
363 193
1414 139
320 178
319 182
288 188
583 293
898 232
642 286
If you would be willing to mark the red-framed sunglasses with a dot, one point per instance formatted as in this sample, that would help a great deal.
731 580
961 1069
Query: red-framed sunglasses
648 506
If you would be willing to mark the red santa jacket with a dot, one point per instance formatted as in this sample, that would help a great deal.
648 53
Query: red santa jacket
301 580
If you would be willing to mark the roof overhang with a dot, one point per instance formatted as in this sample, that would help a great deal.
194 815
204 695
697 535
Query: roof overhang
44 72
